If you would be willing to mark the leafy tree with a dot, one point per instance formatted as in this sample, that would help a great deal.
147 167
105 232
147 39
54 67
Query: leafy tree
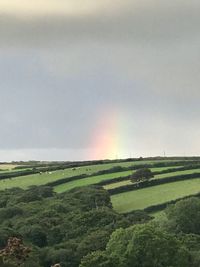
37 236
15 253
98 259
184 216
142 175
146 246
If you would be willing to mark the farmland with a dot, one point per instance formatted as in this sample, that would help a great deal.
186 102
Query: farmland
140 199
99 178
159 176
112 175
40 196
46 177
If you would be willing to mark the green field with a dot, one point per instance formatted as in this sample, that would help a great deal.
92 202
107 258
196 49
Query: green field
143 198
118 184
90 180
123 202
44 178
99 178
159 176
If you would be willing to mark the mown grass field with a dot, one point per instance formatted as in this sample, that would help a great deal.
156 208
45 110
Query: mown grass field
143 198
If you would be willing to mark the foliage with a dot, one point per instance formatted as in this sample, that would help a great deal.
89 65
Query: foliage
60 228
146 246
142 175
15 253
185 216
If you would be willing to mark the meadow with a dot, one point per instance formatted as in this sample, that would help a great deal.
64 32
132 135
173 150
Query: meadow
99 178
46 177
143 198
158 176
122 202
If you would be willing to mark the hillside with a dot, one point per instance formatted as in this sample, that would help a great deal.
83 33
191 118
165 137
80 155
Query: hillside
75 214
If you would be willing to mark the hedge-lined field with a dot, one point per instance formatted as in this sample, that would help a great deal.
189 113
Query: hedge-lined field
99 178
44 178
159 176
143 198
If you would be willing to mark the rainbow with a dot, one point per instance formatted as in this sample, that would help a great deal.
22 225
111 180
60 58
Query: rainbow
108 139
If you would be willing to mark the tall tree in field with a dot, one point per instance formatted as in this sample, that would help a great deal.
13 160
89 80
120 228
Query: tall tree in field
142 175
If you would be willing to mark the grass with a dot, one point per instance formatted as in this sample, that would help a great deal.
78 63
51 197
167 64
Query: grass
158 215
8 167
119 184
44 178
99 178
160 176
143 198
90 180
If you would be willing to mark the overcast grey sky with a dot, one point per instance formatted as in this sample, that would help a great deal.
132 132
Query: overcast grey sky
99 79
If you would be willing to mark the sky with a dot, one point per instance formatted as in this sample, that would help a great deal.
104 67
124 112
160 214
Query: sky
99 79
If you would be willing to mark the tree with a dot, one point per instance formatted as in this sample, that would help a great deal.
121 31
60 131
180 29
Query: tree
146 246
97 259
184 216
15 253
142 175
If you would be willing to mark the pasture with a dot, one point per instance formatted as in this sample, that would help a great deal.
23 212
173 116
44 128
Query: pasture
44 178
143 198
99 178
158 176
122 202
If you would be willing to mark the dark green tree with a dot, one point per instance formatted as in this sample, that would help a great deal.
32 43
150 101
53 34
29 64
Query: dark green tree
184 216
146 246
142 175
98 259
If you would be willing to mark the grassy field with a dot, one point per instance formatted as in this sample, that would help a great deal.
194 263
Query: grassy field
8 167
118 184
99 178
159 176
37 179
90 180
143 198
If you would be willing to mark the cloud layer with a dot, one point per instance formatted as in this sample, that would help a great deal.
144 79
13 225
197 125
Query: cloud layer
62 69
